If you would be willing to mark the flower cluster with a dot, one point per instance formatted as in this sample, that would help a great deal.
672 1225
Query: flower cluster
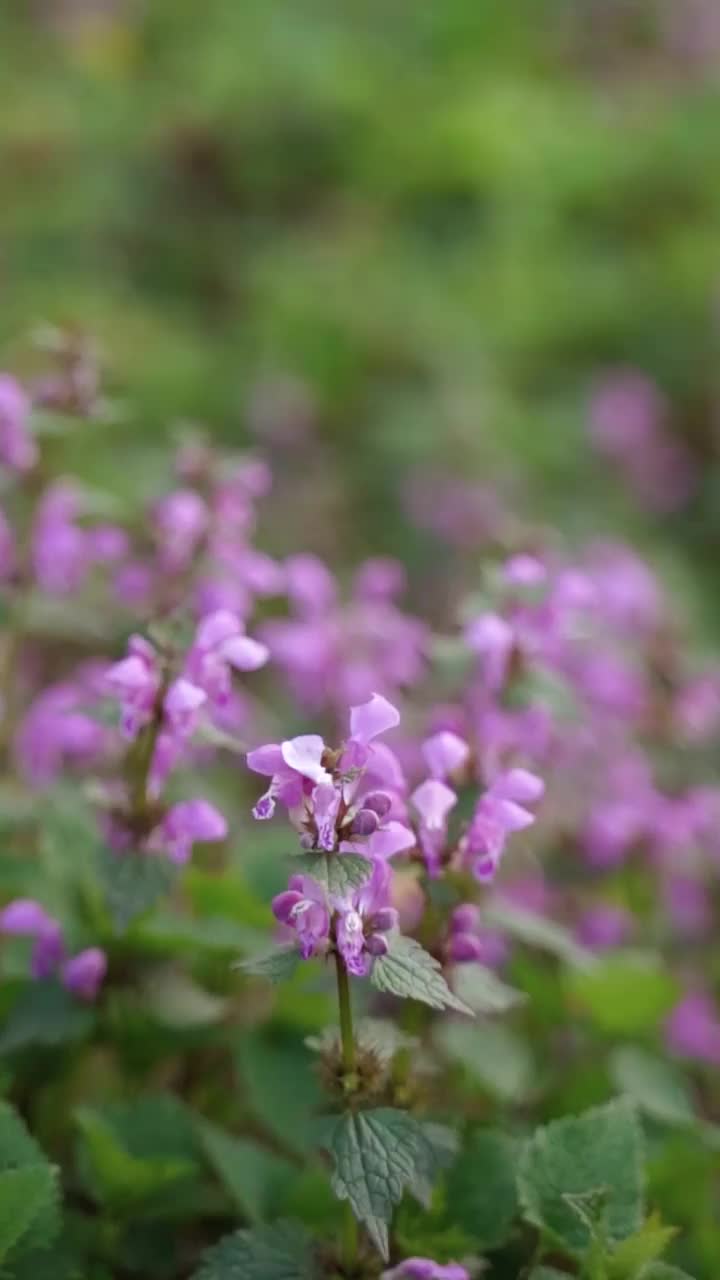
82 973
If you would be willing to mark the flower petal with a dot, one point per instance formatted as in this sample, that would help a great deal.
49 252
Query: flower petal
372 718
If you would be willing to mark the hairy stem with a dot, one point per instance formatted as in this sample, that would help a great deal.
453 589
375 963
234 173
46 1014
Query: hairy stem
347 1039
345 1010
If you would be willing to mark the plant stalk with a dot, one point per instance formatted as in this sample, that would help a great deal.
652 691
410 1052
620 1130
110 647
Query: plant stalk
347 1040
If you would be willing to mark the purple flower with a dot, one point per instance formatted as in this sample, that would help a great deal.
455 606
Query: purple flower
381 578
323 789
604 927
136 681
524 570
303 908
469 941
493 640
56 731
185 824
18 449
500 812
433 801
26 918
426 1269
61 553
84 973
180 521
445 754
363 920
182 704
693 1029
220 645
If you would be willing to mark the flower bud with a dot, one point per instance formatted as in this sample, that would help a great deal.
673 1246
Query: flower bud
379 801
365 822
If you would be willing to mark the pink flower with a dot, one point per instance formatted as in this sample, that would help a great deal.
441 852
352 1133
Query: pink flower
220 645
135 681
432 801
18 449
693 1029
500 812
303 908
84 973
185 824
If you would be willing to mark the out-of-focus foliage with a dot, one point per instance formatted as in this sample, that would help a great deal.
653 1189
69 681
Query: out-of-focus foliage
427 227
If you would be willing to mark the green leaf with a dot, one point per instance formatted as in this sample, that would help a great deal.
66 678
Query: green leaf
481 1187
492 1054
132 883
44 1014
597 1154
536 931
377 1156
409 971
547 1273
281 1252
661 1271
277 965
281 1087
658 1087
126 1183
26 1195
253 1177
340 873
647 1244
176 1000
19 1150
625 993
482 991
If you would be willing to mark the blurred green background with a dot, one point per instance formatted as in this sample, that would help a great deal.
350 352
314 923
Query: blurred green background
419 231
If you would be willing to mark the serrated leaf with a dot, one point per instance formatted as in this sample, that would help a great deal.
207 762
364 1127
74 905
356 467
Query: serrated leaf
377 1156
281 1252
482 991
657 1087
597 1153
277 965
133 883
493 1054
481 1187
19 1150
26 1195
44 1014
410 972
254 1177
339 873
646 1245
625 993
537 931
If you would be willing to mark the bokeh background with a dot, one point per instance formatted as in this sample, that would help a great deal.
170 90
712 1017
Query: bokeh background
405 247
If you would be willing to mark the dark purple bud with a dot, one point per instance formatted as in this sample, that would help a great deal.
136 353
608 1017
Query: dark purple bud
465 918
307 841
380 803
464 947
284 903
365 822
385 919
377 944
84 973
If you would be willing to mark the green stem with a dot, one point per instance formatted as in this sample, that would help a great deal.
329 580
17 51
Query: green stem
345 1008
347 1039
